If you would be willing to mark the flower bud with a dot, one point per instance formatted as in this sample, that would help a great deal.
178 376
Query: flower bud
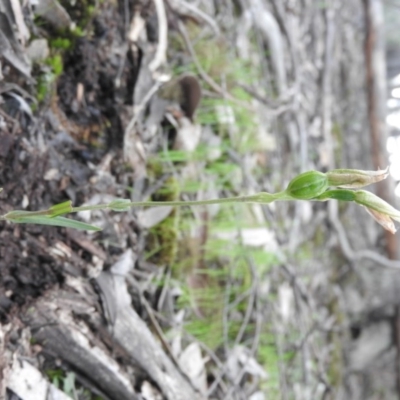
354 178
307 185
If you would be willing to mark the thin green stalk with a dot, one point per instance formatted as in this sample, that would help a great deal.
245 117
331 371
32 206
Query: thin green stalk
257 198
90 208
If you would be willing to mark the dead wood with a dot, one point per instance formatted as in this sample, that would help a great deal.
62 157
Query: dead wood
54 326
133 335
62 322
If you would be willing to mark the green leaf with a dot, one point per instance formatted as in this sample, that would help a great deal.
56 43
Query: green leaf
61 208
56 221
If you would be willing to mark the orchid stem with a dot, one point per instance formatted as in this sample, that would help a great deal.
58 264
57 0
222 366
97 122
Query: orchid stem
177 203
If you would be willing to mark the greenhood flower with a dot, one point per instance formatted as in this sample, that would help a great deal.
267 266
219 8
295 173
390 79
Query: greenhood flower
312 184
379 209
354 178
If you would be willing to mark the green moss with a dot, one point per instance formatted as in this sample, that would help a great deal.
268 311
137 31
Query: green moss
56 64
163 238
81 12
162 241
48 76
61 43
209 330
44 83
78 32
154 167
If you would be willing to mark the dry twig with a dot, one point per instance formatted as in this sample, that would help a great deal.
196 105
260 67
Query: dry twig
161 52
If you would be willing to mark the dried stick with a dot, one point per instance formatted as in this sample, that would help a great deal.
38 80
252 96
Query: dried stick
198 13
161 53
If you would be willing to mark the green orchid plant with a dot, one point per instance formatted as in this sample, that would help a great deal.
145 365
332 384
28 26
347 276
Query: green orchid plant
338 184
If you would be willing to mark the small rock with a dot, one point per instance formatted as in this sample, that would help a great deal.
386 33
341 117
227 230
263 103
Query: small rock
38 50
54 13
